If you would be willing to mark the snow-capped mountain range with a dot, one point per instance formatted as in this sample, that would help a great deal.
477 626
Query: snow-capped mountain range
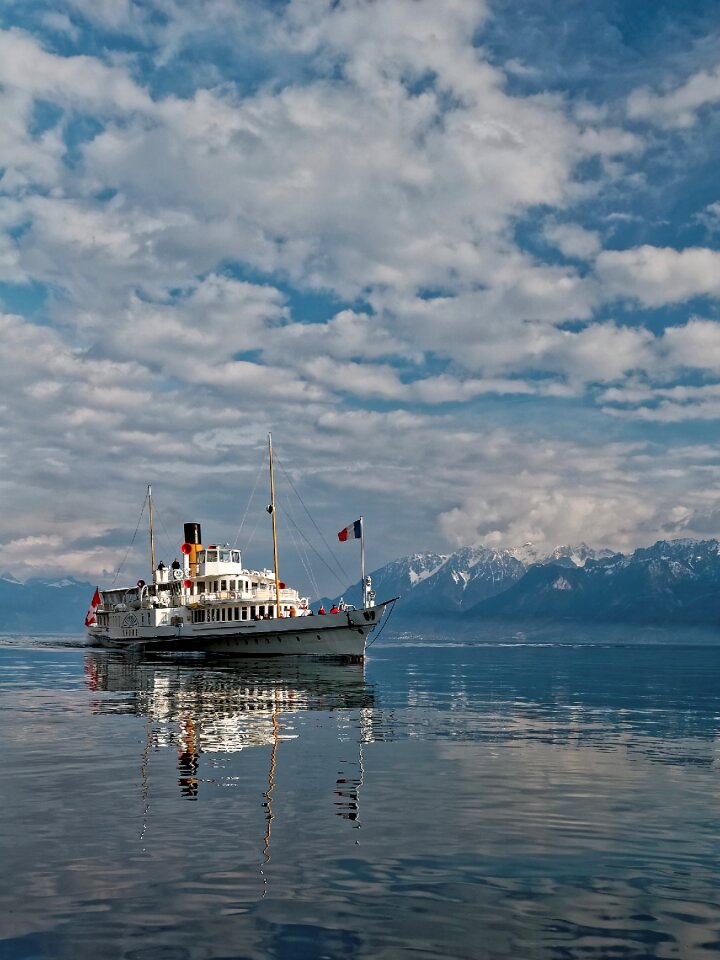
672 581
433 582
676 581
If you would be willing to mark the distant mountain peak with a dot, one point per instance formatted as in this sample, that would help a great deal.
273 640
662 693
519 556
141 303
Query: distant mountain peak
9 578
578 554
526 553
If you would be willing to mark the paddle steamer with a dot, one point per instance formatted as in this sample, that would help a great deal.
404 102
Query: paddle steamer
211 602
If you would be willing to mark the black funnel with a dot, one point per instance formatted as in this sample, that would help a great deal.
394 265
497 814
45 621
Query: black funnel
192 533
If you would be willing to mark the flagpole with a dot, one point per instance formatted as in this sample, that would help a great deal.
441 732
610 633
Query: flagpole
362 561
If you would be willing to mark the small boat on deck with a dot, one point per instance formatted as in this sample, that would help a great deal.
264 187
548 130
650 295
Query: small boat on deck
211 602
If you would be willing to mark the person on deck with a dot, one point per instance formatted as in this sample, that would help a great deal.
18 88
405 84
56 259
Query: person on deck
175 564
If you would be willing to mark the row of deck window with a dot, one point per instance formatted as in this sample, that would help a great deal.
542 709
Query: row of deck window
214 586
224 614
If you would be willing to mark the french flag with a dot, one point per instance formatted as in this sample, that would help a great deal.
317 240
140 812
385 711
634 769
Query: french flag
353 532
91 618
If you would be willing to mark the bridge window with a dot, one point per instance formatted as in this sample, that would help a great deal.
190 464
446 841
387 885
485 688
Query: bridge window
236 556
225 556
211 556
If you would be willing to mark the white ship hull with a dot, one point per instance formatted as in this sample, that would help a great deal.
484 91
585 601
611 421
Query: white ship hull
333 635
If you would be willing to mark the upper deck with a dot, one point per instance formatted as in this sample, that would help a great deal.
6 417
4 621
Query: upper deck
213 575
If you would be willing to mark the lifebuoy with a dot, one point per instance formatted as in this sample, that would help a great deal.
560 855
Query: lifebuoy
233 595
178 574
203 598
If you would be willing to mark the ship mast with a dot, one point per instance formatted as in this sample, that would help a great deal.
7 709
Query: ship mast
152 537
271 511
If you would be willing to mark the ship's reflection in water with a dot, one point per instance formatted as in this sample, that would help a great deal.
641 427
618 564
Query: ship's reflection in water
207 707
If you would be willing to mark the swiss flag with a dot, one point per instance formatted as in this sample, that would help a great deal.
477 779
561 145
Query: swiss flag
90 618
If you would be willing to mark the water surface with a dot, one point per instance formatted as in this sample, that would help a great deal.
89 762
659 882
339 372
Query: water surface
472 801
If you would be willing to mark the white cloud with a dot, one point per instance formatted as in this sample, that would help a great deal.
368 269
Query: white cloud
710 217
668 411
659 275
573 240
82 80
348 335
695 344
676 107
60 23
449 389
26 160
603 352
560 491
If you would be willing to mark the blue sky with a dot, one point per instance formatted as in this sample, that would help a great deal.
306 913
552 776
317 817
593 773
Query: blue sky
461 258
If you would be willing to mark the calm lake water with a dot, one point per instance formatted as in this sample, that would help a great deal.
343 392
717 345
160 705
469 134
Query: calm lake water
446 801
